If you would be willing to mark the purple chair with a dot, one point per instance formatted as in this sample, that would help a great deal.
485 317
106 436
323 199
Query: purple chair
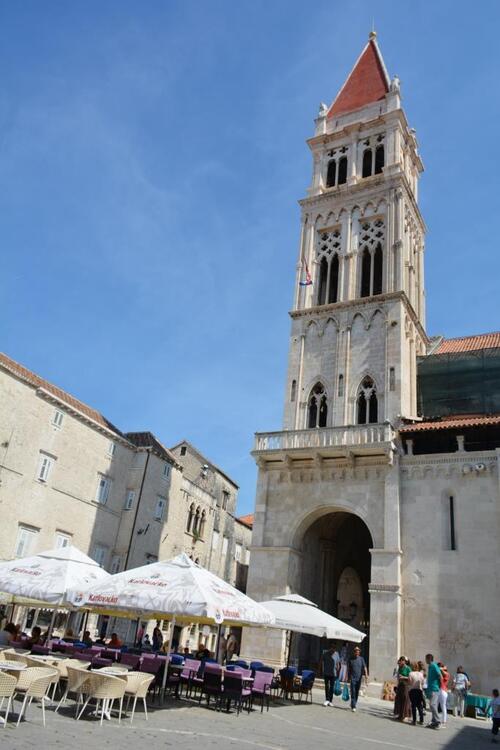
110 653
243 672
188 674
98 662
41 650
234 690
81 656
130 660
261 688
94 650
150 664
212 684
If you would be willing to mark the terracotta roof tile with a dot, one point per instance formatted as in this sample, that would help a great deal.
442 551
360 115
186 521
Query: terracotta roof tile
469 343
454 421
35 380
366 83
246 520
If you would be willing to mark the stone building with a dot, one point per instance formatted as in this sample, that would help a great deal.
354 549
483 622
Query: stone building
378 513
69 476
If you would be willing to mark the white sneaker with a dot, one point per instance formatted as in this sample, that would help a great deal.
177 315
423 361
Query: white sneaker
327 703
330 703
353 710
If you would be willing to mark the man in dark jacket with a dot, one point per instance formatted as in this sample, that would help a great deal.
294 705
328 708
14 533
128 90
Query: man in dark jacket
357 670
330 663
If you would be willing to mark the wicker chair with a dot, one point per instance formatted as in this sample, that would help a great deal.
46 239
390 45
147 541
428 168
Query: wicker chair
34 682
32 661
76 678
12 655
7 689
137 688
105 690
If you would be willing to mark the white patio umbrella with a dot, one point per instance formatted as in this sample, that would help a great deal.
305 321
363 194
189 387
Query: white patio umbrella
50 577
293 612
174 588
177 588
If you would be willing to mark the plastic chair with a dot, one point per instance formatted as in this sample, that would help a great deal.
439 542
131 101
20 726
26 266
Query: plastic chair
306 686
176 659
254 665
105 690
7 690
34 682
98 662
261 688
42 650
287 676
234 690
212 685
137 688
131 660
188 674
77 676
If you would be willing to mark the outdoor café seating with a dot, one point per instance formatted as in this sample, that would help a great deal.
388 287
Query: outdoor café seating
233 689
136 689
189 674
34 682
76 677
261 688
105 690
7 689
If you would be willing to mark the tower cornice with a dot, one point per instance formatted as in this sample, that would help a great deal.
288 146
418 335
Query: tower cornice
368 189
324 311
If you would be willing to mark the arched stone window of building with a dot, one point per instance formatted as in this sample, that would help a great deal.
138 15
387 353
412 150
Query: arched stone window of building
340 391
293 390
379 159
203 521
190 517
342 176
372 258
367 402
196 523
329 267
317 410
331 174
367 162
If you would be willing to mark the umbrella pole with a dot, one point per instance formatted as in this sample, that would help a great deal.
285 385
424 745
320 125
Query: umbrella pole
85 620
171 635
290 636
51 626
217 644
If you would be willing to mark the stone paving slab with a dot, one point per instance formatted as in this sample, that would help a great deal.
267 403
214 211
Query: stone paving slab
287 726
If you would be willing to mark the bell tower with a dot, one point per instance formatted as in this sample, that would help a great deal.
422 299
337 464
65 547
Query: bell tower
359 308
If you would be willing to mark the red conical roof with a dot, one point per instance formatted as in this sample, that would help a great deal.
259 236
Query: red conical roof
368 82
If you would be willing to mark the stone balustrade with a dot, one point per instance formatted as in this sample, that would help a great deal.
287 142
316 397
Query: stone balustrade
343 438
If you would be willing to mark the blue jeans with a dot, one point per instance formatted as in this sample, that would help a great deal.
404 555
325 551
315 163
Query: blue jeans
355 685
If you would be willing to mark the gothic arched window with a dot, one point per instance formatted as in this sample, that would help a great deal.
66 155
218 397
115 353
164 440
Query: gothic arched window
203 521
379 159
196 523
367 403
333 286
377 270
190 517
366 268
317 407
323 276
331 173
342 176
367 163
293 390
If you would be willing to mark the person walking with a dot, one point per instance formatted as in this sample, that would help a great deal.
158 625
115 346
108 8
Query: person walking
416 691
232 647
443 693
330 664
495 714
433 689
460 686
357 670
157 637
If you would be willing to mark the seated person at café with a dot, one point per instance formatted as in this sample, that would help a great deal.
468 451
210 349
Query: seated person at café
69 636
87 639
146 643
35 639
115 642
8 634
202 652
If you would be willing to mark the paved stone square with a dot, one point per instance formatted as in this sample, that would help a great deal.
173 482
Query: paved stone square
286 726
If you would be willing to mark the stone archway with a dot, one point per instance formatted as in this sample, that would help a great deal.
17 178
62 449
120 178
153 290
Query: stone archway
335 575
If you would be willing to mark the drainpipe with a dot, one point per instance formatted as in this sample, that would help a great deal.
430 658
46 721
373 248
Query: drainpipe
137 509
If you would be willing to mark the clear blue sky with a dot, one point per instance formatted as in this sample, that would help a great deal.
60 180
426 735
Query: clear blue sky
152 155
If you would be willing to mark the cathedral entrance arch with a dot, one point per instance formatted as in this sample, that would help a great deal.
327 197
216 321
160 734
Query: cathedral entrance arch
335 575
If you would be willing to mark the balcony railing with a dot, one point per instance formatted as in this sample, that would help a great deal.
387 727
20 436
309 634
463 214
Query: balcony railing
342 438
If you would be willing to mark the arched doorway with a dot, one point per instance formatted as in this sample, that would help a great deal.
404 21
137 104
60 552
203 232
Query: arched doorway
336 572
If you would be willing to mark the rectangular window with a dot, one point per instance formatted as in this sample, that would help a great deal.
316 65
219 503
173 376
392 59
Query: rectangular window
111 448
237 552
340 391
44 467
225 542
103 489
129 500
57 418
99 554
225 499
116 562
183 450
161 504
392 379
166 471
215 540
25 543
62 539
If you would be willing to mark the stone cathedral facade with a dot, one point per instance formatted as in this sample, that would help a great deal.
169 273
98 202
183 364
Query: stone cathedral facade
383 515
